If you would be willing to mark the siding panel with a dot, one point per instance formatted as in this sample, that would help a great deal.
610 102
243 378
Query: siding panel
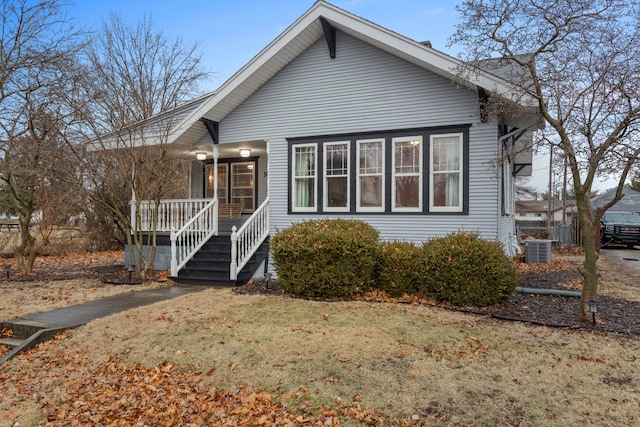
364 90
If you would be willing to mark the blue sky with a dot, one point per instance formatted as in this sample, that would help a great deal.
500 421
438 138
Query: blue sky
232 32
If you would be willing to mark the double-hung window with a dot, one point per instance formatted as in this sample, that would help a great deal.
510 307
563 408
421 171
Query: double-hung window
445 179
406 190
304 188
336 176
370 185
417 171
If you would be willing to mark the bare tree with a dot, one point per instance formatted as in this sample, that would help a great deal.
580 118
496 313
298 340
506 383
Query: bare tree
135 80
37 62
581 60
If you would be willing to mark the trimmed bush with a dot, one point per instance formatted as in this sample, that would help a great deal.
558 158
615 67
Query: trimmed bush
326 258
399 267
464 269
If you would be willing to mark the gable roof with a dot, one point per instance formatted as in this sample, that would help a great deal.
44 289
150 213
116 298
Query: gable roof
306 31
154 128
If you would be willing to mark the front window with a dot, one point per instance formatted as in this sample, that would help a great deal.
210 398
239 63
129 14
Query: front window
304 178
407 174
370 187
446 173
336 175
222 181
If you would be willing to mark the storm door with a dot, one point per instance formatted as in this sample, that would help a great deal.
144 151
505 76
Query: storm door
243 185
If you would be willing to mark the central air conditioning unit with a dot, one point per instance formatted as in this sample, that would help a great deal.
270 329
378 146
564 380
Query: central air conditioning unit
537 251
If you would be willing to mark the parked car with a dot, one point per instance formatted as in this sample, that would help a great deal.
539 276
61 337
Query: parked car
620 228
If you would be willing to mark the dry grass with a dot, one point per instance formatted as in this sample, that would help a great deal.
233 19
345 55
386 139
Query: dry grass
60 240
448 367
619 280
401 359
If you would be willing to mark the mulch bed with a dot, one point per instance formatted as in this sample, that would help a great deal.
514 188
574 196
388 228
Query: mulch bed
614 314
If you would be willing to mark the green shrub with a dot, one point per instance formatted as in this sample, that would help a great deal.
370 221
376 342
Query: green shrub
399 267
325 258
464 269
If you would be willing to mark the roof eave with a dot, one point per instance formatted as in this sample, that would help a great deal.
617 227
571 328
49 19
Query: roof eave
306 30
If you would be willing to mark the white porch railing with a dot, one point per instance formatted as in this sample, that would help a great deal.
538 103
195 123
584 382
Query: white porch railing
193 235
246 240
172 213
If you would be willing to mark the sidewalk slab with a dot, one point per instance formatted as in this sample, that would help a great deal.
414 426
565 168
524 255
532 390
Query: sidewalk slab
76 315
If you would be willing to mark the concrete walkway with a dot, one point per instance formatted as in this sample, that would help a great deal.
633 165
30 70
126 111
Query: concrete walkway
35 328
80 314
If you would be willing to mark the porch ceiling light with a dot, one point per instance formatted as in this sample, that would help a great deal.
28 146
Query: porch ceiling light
201 155
245 152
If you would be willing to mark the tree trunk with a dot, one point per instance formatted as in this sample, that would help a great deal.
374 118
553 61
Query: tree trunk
26 250
589 268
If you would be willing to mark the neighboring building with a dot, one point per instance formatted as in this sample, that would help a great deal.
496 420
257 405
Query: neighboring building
538 210
339 117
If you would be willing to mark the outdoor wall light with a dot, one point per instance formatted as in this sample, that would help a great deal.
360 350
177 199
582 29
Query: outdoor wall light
7 270
201 155
593 309
245 152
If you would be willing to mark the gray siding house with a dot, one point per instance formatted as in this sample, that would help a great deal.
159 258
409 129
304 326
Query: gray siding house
339 117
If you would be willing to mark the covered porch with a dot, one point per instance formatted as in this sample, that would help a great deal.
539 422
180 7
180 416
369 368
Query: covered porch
214 234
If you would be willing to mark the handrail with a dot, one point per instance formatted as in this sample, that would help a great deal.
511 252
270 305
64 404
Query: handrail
193 235
246 240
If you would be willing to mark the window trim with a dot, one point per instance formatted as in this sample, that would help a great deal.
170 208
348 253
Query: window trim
419 174
461 181
294 208
387 136
325 177
359 207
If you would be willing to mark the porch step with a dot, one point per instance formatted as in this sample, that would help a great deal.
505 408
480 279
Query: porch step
211 265
26 335
11 342
183 280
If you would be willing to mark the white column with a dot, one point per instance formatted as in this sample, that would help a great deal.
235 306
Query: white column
215 171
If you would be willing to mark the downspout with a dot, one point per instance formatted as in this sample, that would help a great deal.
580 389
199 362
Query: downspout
267 266
560 292
499 192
